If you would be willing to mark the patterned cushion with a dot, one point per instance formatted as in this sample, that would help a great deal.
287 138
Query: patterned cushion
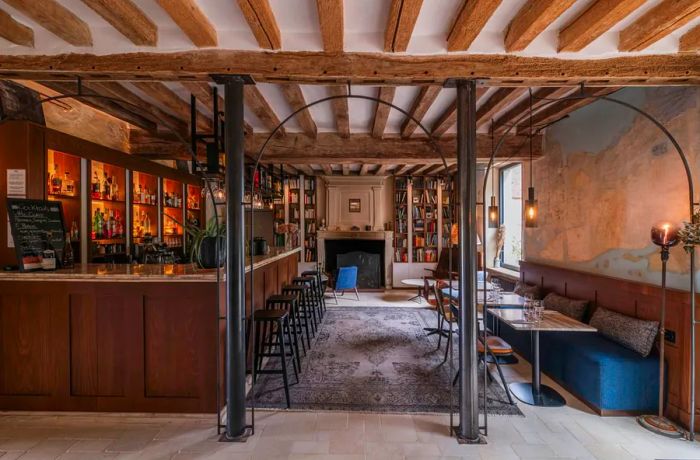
634 333
572 308
524 289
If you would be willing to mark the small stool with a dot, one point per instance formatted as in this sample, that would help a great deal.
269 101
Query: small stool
289 303
279 320
312 298
320 289
299 292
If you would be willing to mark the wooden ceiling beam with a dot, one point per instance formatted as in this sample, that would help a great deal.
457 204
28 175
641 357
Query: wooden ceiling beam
381 111
403 15
432 169
55 18
657 23
381 170
128 19
330 17
340 109
539 99
559 110
104 105
400 170
448 118
15 32
499 100
346 169
368 68
330 148
364 169
203 92
531 20
262 23
470 20
327 170
690 41
173 102
597 19
421 104
295 98
192 21
257 103
306 169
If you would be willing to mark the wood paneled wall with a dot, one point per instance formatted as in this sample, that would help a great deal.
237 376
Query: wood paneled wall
634 299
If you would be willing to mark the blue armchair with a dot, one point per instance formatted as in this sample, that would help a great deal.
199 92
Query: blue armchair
346 279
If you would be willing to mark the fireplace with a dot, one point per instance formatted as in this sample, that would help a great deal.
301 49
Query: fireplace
366 255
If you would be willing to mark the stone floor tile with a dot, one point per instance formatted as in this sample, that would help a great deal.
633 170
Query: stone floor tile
332 421
533 450
609 452
90 445
18 444
344 442
310 447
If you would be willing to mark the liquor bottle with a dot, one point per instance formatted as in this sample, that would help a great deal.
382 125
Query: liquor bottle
55 179
153 198
74 232
120 225
147 225
68 261
166 199
67 185
103 222
94 231
105 186
115 189
95 190
110 225
48 255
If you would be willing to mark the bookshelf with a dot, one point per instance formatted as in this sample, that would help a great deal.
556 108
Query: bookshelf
446 207
278 212
401 219
309 219
294 207
424 208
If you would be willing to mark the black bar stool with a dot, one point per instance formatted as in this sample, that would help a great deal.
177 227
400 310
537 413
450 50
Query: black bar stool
278 322
320 288
289 303
313 301
305 320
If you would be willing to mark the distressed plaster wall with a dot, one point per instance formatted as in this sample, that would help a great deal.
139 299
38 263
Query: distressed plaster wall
607 176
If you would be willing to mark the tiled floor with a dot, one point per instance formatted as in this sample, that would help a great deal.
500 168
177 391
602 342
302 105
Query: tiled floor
567 432
387 298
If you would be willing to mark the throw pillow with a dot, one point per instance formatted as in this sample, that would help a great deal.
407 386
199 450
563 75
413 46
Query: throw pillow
524 289
634 333
572 308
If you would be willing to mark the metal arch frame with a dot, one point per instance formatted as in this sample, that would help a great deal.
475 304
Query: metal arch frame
692 204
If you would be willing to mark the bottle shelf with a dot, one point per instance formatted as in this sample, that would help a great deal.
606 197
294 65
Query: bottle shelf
109 241
63 196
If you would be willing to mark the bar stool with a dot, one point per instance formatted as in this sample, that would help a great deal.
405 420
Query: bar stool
278 322
320 289
312 297
299 293
289 303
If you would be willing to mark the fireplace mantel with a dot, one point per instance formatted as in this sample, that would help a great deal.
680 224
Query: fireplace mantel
368 190
387 236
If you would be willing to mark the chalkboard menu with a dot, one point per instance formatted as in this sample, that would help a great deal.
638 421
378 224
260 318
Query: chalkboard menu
32 222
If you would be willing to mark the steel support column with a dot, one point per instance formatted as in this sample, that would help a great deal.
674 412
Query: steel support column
235 262
468 429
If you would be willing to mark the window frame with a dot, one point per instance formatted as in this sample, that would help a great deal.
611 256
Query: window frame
501 209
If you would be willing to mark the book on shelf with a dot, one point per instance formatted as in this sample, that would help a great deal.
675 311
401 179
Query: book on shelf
293 183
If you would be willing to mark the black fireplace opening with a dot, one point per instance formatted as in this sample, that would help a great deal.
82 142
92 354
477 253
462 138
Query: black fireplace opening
367 255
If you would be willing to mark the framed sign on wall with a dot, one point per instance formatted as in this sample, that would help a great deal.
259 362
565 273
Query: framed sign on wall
354 205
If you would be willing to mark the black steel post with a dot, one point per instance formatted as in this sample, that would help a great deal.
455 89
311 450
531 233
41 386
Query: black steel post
235 263
468 429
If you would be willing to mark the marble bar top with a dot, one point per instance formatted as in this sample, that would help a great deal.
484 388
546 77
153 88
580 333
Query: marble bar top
142 272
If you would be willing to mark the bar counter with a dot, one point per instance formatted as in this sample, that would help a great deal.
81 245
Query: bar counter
120 338
140 273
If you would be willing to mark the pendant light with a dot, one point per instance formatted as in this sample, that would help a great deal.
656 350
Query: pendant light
493 215
531 202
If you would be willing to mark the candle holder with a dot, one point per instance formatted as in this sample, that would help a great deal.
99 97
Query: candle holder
664 235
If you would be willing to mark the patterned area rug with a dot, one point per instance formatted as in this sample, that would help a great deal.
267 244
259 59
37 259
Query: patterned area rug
373 359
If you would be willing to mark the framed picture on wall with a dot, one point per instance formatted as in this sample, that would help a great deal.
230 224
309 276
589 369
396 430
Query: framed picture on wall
354 205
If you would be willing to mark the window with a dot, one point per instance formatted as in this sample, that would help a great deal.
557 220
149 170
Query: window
511 206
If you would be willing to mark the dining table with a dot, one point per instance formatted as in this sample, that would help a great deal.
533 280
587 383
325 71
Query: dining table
535 393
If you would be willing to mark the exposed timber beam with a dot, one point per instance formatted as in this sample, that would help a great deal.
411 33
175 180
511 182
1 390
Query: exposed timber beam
690 41
340 109
559 110
327 169
531 20
128 19
367 68
432 169
55 18
364 169
403 15
262 23
295 98
346 169
330 17
173 102
107 106
363 148
14 31
448 118
203 92
401 169
426 97
381 170
657 23
470 20
597 19
192 21
540 98
499 100
381 111
257 103
306 169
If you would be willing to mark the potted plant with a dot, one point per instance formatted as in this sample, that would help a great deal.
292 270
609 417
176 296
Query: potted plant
204 242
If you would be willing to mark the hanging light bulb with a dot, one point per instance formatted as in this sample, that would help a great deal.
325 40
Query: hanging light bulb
531 202
493 213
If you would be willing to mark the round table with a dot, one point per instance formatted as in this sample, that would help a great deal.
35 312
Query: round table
418 283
